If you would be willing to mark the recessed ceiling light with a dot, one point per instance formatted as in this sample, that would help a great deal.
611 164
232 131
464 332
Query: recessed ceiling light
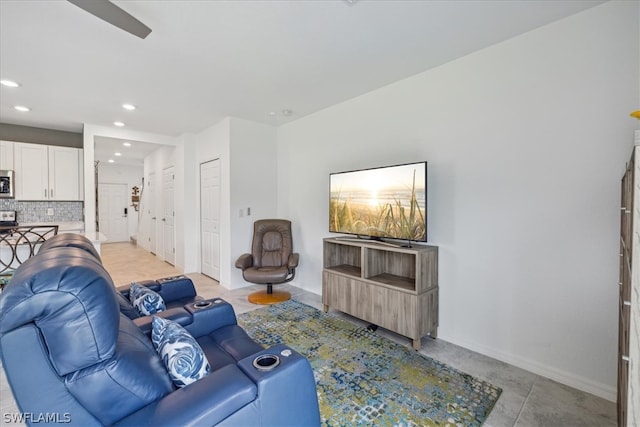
22 108
119 124
129 107
126 144
117 154
272 113
9 83
287 113
110 160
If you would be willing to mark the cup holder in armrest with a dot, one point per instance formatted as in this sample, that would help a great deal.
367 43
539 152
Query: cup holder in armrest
199 305
202 304
266 362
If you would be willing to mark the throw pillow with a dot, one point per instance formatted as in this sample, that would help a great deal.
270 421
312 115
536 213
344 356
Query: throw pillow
145 300
182 355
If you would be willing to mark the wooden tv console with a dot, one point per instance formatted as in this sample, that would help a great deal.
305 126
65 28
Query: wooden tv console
387 285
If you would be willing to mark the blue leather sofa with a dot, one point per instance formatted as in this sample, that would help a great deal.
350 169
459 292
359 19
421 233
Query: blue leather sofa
71 356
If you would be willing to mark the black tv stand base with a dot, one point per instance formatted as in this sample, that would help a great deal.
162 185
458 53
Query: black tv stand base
371 240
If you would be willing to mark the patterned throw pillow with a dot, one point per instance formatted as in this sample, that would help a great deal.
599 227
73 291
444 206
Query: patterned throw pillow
145 300
182 355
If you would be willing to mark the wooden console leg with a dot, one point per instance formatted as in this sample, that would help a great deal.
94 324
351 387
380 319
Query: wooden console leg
325 308
434 333
417 344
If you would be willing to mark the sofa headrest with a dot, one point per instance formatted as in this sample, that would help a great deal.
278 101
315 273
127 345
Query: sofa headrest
71 299
70 240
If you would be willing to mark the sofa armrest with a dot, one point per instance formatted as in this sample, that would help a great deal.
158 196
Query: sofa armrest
292 380
170 288
204 402
212 314
178 314
244 261
208 318
293 260
176 287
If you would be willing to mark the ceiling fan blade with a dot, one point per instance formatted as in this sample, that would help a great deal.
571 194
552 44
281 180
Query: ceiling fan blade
109 12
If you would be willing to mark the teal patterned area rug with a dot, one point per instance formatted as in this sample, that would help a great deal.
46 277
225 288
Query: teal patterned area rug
363 378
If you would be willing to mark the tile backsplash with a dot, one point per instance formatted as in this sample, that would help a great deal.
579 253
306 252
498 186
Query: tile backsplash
30 212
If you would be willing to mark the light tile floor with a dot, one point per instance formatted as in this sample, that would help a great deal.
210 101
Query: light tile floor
527 399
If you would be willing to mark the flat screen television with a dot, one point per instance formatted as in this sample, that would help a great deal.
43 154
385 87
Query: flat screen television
384 202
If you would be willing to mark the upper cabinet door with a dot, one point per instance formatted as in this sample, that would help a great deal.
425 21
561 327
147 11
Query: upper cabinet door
6 155
31 171
64 173
44 172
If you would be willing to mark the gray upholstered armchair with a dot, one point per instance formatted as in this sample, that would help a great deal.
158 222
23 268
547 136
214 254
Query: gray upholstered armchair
271 261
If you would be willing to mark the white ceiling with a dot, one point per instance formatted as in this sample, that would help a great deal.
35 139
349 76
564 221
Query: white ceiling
206 60
131 155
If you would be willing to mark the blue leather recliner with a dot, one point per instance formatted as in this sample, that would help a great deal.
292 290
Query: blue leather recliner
71 356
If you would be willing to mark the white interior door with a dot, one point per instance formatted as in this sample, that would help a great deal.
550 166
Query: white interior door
112 202
210 218
168 214
151 211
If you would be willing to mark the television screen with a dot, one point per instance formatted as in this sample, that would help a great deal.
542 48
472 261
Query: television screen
388 202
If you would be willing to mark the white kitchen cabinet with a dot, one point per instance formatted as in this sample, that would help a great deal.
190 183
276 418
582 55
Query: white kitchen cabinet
31 171
45 172
6 155
64 174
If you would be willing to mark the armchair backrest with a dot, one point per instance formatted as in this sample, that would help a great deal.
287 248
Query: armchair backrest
272 242
61 332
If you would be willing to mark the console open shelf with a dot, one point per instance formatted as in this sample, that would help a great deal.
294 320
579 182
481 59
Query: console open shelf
348 270
390 286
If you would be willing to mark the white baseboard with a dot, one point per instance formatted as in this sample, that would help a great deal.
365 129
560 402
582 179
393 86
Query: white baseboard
604 391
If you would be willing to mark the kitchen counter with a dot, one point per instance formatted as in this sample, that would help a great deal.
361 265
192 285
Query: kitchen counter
77 227
63 226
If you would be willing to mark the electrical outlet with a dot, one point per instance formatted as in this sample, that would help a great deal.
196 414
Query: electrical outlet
241 213
248 211
50 211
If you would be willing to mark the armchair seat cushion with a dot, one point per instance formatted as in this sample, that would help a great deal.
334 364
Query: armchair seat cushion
264 275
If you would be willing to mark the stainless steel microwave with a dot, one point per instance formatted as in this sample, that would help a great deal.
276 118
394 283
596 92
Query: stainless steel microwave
7 184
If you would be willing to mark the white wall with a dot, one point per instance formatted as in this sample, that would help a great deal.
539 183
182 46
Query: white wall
214 143
248 168
254 172
526 143
123 174
187 206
